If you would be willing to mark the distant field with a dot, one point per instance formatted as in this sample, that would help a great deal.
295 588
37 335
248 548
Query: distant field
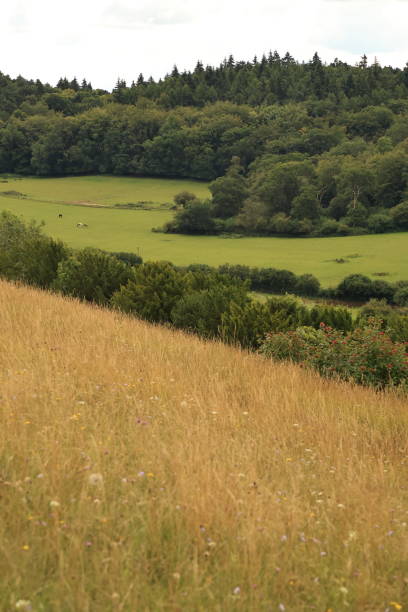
103 190
130 230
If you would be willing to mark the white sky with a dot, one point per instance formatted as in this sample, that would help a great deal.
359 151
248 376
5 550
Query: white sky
102 40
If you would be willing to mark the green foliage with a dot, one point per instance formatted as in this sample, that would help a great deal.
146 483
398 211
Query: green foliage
195 218
202 311
400 215
333 316
307 284
364 356
152 291
401 296
131 259
309 143
247 324
92 275
184 197
394 321
26 254
229 192
361 288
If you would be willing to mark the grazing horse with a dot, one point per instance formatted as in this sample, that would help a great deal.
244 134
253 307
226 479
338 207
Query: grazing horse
82 225
60 216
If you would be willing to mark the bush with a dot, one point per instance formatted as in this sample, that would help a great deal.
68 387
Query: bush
399 215
329 227
247 324
334 316
184 197
91 275
365 356
355 287
379 223
131 259
152 291
307 284
195 218
401 296
26 254
202 311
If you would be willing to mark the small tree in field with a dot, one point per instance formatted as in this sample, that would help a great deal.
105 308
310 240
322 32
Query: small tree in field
183 198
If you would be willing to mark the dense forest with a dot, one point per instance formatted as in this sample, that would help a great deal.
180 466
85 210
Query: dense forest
291 148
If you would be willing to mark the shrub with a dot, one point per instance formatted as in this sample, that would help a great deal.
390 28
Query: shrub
379 223
401 296
195 218
91 275
335 316
26 254
307 284
399 215
247 324
131 259
365 356
202 311
355 287
184 197
152 291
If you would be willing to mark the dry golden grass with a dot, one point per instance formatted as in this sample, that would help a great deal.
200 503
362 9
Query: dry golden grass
188 475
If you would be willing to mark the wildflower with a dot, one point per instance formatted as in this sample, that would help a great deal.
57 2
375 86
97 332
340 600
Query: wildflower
396 605
281 607
237 590
95 479
54 504
25 547
24 605
88 543
176 576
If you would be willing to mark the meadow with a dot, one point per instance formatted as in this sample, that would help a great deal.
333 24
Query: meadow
143 469
377 256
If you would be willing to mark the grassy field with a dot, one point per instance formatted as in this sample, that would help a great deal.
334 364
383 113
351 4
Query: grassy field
103 190
130 230
142 469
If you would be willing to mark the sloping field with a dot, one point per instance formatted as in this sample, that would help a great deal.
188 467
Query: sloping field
142 469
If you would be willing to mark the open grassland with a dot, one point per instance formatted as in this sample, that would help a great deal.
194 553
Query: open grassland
130 230
103 190
142 469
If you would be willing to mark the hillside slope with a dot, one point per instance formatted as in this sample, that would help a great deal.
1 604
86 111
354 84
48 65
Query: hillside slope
142 469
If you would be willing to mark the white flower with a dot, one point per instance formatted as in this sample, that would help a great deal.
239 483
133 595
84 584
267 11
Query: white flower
95 479
54 504
24 605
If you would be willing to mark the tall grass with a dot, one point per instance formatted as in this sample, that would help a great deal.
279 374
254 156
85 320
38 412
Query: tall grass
142 469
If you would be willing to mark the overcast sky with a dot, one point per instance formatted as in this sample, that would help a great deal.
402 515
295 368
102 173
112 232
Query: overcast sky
102 40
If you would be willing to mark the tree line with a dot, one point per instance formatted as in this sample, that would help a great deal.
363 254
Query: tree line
290 148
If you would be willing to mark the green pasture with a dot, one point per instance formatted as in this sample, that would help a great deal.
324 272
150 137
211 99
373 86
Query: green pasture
378 256
102 190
